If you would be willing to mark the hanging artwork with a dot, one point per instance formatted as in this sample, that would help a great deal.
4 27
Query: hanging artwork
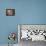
10 12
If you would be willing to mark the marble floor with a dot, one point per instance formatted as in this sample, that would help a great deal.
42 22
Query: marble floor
9 45
28 43
34 43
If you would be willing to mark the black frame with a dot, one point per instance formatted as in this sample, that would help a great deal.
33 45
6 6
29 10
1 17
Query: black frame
13 10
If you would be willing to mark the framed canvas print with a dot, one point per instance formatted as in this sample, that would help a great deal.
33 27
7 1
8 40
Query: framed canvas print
10 12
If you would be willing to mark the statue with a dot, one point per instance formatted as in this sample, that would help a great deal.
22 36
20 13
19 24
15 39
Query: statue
12 36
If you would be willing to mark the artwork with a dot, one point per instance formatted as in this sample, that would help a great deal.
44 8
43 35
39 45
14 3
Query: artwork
12 37
10 12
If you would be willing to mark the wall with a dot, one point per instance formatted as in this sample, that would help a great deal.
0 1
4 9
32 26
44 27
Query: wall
27 12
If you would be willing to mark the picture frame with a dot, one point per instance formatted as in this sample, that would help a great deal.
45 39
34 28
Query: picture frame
10 12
